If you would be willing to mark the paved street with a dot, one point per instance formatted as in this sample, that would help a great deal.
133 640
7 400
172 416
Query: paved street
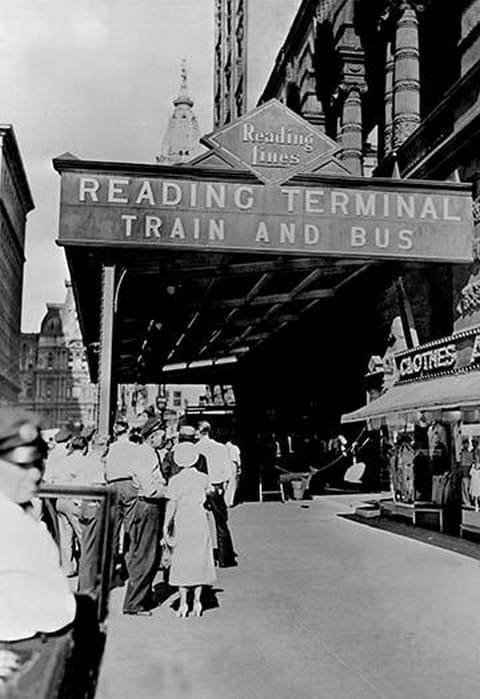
319 607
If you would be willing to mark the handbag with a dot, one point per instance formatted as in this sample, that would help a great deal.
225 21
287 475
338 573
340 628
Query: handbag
165 556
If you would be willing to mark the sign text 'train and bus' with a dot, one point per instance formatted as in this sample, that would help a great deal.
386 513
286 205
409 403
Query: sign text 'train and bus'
386 221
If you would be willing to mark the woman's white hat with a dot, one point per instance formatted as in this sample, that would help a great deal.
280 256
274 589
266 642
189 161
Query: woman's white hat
185 455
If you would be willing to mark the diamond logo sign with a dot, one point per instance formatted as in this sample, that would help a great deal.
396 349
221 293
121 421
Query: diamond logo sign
273 142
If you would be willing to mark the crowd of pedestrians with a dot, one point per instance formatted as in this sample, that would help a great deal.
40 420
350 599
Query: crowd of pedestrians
172 492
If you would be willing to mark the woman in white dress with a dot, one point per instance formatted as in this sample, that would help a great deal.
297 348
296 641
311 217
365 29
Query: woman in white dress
192 564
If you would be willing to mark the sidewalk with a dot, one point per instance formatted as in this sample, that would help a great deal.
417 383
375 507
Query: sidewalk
319 607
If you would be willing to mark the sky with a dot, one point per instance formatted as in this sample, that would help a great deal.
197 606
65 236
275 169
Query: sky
96 78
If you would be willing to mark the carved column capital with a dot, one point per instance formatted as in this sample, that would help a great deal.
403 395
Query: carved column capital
392 9
346 87
352 75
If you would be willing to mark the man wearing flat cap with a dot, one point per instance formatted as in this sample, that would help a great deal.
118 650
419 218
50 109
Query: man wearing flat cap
118 474
34 593
147 519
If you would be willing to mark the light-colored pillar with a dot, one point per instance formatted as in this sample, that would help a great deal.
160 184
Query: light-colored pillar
388 128
106 351
351 129
406 75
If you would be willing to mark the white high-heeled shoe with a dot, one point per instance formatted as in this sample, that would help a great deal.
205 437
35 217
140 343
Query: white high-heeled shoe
197 609
182 611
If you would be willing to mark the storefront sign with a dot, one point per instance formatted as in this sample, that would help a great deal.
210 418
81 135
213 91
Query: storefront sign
461 351
390 220
273 142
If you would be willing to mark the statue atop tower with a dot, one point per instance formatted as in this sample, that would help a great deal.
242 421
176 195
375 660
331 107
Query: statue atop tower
181 141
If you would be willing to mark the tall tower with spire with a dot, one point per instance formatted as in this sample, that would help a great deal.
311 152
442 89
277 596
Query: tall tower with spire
181 141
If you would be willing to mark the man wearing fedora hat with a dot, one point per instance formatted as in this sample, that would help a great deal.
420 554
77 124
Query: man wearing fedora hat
34 593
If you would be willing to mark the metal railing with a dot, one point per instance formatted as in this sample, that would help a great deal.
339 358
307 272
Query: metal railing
100 504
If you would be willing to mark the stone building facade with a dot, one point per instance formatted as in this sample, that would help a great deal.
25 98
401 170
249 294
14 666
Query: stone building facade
55 381
396 79
395 84
15 203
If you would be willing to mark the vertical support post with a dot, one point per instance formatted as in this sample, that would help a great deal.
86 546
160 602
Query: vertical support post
406 315
106 350
406 75
352 133
387 133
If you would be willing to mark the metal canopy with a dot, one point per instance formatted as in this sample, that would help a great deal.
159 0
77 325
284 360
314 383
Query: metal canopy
216 258
183 316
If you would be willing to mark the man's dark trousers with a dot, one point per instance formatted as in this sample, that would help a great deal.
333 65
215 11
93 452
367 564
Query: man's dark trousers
126 494
216 503
144 552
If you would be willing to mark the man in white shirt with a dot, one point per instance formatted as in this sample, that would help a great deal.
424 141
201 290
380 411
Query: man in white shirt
219 472
146 523
118 474
80 469
34 593
236 464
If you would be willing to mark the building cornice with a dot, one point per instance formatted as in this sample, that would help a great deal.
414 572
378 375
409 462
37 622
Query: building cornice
9 142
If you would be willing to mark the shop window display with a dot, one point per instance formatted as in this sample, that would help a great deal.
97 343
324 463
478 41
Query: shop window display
420 463
401 468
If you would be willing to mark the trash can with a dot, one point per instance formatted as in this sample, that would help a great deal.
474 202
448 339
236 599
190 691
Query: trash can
298 489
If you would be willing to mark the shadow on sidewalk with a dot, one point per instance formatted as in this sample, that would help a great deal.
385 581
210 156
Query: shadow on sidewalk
464 547
162 592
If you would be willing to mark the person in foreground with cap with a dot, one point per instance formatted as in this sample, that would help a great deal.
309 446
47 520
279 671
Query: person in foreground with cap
34 592
192 563
145 525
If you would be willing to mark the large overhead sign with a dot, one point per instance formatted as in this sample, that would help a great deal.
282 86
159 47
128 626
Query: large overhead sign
201 209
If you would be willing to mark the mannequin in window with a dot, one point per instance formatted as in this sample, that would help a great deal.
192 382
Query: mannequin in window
466 463
475 480
440 465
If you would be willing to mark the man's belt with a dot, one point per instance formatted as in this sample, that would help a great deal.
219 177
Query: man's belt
150 501
119 480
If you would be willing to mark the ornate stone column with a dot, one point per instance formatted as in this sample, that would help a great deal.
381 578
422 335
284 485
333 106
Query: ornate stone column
106 350
406 73
349 99
351 129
